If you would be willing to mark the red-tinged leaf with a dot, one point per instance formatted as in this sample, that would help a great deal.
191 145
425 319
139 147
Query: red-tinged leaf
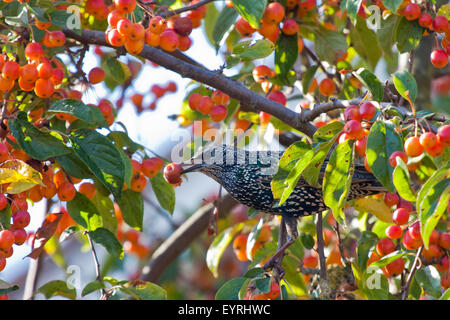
44 233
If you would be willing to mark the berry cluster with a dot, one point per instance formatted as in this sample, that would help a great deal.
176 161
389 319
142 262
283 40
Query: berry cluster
169 34
215 105
39 73
438 24
274 15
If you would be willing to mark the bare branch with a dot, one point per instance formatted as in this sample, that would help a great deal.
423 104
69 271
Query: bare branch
181 239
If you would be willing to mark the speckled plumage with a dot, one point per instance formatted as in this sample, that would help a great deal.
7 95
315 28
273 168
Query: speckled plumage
247 177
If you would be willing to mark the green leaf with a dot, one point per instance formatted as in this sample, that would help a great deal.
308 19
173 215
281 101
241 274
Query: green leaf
90 114
321 150
251 10
20 20
287 162
433 208
408 35
286 53
224 22
307 240
74 166
308 78
84 212
402 181
5 217
374 284
122 141
406 85
371 82
59 18
263 253
250 51
293 277
36 143
428 278
295 174
386 33
141 290
164 192
387 259
352 7
57 288
218 246
91 287
6 287
108 240
254 273
128 167
382 141
263 284
329 44
105 207
100 156
365 42
230 289
337 178
445 295
132 207
327 132
365 245
392 5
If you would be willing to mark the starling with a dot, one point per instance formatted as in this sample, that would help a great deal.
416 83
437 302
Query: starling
247 176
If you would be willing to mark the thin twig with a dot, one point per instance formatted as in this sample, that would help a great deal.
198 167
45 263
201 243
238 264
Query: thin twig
185 9
96 262
340 244
411 274
320 247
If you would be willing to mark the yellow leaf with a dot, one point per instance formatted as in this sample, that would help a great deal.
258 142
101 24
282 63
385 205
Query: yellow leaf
20 176
444 10
375 206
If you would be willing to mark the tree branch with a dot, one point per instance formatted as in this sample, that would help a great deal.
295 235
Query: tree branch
216 80
181 239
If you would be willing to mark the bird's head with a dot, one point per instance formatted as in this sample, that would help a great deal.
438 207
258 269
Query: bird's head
213 158
217 159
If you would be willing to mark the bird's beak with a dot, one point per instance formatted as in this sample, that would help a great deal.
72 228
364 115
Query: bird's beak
195 167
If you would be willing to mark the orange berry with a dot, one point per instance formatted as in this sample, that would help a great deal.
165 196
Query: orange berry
88 189
96 75
151 39
150 167
240 247
274 13
244 28
45 70
44 88
66 191
11 70
157 25
125 6
413 148
138 182
134 47
168 40
137 32
34 51
327 87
